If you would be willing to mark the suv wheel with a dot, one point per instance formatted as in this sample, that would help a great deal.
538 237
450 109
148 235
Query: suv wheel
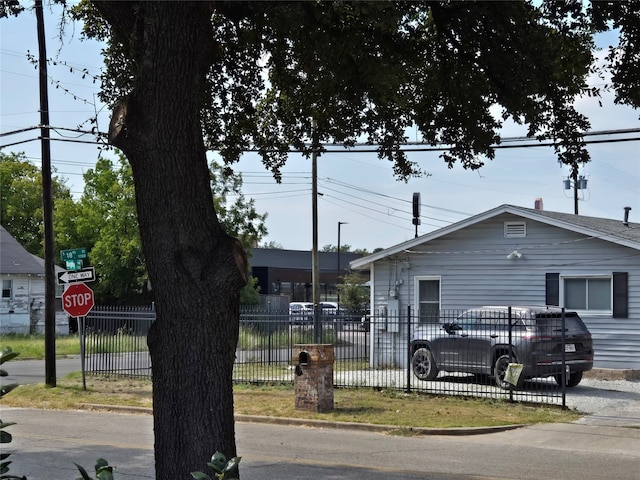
573 380
423 364
499 371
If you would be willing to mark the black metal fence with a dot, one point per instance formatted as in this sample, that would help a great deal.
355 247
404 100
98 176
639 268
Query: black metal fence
390 351
115 340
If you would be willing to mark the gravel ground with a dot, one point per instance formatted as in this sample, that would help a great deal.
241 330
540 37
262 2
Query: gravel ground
607 402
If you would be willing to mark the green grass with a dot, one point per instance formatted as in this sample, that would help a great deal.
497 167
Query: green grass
32 346
259 336
364 405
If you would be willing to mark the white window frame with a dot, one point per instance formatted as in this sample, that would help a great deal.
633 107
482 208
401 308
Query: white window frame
587 277
416 290
10 282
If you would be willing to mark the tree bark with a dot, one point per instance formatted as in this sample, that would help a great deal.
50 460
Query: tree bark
196 269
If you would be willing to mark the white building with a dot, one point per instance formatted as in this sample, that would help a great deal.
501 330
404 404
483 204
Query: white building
23 284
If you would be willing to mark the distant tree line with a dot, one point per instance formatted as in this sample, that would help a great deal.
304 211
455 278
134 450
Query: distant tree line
104 220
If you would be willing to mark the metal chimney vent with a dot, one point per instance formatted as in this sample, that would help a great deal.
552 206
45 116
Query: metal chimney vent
626 215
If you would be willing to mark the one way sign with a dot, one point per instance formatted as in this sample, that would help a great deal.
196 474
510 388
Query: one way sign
85 275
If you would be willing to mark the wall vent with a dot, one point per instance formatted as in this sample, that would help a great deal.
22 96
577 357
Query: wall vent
515 229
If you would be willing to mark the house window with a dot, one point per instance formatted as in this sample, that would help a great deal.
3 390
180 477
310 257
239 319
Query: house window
428 299
515 229
6 289
588 294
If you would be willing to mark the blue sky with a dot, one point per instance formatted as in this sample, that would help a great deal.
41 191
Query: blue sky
356 188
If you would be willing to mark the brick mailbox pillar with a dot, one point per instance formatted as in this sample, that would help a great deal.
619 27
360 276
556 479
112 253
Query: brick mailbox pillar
313 380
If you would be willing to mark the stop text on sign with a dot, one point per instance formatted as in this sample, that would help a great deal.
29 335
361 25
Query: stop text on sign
78 300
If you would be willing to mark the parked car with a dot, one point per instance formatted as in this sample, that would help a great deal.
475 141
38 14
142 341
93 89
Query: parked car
328 308
365 321
301 312
483 341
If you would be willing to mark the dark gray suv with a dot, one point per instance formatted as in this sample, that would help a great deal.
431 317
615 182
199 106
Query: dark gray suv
483 341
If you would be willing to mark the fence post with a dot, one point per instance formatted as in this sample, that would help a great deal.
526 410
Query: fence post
408 390
564 360
510 351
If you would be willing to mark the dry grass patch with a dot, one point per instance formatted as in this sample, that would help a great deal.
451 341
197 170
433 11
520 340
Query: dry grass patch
385 407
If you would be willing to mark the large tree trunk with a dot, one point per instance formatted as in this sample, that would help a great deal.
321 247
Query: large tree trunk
196 269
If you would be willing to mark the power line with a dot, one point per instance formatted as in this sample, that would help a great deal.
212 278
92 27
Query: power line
406 145
364 190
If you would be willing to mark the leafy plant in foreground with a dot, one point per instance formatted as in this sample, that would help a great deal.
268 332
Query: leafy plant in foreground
103 471
221 467
219 464
5 437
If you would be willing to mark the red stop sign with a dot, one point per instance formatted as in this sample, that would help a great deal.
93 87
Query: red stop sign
77 300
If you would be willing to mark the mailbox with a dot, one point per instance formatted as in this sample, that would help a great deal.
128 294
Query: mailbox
313 379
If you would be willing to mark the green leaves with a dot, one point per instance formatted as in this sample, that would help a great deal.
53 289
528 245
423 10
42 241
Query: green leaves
103 471
5 437
5 355
221 467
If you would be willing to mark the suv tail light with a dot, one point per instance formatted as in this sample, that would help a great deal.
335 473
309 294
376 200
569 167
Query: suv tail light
539 338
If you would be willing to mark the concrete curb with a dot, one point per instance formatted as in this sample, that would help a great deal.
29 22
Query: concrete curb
301 422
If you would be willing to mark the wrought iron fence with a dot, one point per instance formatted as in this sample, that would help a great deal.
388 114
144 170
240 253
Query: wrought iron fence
115 340
390 350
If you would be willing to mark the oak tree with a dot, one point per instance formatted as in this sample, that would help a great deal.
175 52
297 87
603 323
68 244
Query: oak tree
186 77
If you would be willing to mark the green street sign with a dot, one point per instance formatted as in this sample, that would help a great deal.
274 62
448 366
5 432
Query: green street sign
73 264
73 254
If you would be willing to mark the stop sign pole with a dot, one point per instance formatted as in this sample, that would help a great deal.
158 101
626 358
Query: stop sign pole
77 301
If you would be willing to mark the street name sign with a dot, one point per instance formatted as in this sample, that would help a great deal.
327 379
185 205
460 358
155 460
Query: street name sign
77 300
85 275
73 254
73 257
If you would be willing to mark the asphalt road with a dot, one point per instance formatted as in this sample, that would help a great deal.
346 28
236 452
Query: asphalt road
25 372
47 443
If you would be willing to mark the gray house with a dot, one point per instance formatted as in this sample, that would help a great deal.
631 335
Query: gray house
23 284
515 256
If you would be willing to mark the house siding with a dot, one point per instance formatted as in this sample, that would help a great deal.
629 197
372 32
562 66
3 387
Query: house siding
474 270
19 313
24 313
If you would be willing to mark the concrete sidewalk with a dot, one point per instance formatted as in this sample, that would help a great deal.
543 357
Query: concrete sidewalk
577 437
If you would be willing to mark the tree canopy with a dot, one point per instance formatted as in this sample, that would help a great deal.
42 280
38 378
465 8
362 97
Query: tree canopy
21 201
345 72
104 220
354 294
109 223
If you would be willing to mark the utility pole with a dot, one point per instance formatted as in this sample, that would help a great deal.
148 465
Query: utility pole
575 191
47 208
338 275
315 267
578 182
